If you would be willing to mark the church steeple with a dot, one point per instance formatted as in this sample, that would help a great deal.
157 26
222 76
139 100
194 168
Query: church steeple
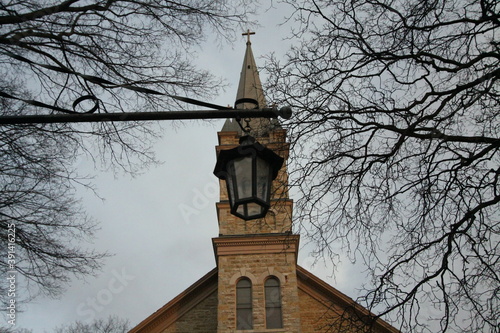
257 253
268 133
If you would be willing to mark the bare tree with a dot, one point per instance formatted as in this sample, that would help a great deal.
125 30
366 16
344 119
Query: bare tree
41 220
86 56
396 149
112 324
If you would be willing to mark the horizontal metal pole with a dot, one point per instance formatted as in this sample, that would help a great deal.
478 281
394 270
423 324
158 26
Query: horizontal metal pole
284 112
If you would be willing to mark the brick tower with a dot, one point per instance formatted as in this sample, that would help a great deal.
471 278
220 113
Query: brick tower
256 259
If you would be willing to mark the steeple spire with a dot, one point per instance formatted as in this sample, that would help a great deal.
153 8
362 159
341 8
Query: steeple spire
250 94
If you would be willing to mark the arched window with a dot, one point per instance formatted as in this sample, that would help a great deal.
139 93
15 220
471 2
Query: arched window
244 316
273 303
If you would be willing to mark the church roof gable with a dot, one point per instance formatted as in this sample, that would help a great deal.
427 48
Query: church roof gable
178 306
329 296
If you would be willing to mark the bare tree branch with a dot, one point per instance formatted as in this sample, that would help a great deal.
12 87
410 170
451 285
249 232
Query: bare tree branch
52 54
396 151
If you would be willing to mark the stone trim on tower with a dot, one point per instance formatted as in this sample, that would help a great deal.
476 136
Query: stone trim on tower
243 272
256 244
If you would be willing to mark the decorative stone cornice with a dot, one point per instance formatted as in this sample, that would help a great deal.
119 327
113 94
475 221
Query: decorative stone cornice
256 244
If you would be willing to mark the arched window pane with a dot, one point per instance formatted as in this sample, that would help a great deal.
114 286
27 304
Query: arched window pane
273 303
244 317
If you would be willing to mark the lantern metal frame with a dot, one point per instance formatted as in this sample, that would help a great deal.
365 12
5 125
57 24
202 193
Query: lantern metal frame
224 169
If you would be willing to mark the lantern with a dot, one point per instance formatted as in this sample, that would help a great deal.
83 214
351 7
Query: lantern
248 170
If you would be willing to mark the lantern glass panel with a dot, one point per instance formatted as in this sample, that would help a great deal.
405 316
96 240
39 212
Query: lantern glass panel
263 179
249 209
243 177
230 183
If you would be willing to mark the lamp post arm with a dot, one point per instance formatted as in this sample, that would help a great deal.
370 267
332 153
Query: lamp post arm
284 112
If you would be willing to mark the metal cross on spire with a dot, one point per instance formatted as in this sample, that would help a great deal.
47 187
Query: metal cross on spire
248 33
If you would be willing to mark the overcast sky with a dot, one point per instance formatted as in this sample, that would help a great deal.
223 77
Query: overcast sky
159 251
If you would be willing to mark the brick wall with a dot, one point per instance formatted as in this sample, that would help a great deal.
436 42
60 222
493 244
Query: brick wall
314 316
257 268
257 258
200 319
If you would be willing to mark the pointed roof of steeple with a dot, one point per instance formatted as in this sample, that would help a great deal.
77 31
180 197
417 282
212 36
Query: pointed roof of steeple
250 88
250 94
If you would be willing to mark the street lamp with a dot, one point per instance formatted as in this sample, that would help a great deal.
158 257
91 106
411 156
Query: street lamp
248 170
